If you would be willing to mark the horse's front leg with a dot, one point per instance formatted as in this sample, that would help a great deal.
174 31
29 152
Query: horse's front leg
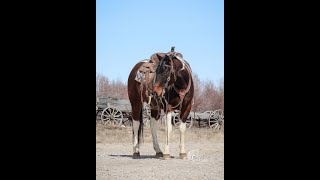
166 154
154 127
183 154
183 118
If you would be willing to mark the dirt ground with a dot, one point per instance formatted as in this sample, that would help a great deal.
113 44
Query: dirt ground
114 155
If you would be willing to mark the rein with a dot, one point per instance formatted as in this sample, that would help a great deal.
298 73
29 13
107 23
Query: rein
181 93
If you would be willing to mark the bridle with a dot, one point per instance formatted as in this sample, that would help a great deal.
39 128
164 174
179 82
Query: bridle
167 87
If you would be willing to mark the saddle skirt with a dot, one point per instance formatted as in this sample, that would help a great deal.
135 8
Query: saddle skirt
146 72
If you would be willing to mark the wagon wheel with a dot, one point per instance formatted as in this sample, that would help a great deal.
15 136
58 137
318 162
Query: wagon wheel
189 121
176 121
127 123
175 118
127 120
217 120
198 119
111 116
207 116
146 113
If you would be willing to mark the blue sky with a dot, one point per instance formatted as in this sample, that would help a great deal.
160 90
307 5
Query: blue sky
128 31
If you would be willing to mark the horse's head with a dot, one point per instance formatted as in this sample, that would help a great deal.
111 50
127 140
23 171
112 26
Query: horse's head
163 73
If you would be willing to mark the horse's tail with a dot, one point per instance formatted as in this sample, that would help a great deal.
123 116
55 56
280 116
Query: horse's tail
140 131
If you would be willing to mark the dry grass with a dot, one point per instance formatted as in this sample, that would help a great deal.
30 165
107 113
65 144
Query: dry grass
124 135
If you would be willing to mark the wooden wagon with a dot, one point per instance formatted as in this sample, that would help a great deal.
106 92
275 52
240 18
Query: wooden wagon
117 112
208 119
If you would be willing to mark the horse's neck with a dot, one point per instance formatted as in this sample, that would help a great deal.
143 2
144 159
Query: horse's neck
180 83
183 82
183 74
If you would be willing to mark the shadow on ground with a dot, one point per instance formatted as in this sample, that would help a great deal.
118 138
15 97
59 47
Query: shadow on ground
141 156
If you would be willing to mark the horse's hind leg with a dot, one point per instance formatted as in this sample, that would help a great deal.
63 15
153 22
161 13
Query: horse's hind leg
154 127
136 146
135 128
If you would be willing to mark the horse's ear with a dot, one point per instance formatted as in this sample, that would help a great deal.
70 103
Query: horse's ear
166 57
163 58
159 57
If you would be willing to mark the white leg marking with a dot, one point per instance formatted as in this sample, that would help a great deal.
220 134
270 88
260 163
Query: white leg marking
182 132
154 127
135 128
168 131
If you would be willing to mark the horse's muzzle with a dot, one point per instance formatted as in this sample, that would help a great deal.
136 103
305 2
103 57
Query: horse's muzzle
157 89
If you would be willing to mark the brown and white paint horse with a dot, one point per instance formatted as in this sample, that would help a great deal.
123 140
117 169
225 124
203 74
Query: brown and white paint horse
166 85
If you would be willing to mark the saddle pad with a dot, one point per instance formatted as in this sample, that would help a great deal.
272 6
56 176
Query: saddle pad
139 76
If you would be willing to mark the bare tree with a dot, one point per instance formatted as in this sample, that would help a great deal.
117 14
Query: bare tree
221 95
211 97
207 96
102 85
114 89
118 90
197 93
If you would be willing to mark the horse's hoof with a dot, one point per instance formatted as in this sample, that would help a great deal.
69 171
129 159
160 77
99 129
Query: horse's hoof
159 154
183 155
166 156
136 155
